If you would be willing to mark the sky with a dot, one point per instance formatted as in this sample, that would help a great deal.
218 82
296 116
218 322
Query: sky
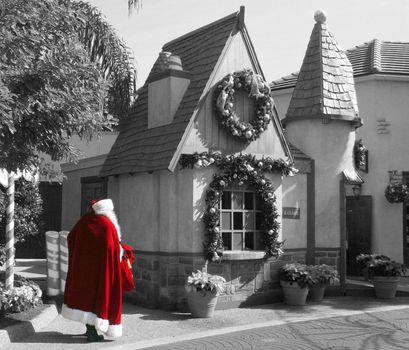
279 29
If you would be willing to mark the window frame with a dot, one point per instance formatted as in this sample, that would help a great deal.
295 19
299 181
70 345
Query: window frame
257 232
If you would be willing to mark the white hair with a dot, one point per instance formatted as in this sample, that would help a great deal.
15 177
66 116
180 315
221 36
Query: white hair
105 207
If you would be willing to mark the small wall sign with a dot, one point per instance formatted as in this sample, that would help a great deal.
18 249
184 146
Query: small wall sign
291 213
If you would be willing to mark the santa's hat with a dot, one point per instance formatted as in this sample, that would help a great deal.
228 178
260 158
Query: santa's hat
102 205
106 207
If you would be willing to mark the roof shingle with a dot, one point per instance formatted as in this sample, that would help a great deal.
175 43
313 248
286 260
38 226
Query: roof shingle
138 148
374 57
325 86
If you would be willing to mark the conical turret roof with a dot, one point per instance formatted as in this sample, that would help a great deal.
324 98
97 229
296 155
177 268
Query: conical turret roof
325 87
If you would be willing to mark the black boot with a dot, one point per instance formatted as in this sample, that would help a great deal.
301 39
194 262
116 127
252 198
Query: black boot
92 335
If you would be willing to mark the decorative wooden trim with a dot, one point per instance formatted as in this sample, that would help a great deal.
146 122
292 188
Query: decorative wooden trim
405 176
311 214
159 253
327 249
92 179
342 216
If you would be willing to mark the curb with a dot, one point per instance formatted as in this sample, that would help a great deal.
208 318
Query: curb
27 328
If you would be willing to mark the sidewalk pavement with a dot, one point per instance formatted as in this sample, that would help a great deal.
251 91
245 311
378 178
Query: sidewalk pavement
145 328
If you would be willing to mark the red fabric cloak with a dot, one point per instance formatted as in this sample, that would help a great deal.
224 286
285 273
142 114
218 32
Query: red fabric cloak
93 290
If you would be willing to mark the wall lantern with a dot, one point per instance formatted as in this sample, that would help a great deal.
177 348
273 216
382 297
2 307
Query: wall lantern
356 190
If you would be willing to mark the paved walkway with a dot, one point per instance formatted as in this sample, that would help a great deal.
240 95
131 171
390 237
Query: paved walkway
385 330
277 324
358 321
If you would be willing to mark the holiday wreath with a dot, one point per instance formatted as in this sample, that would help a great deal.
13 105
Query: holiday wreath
397 193
238 170
258 89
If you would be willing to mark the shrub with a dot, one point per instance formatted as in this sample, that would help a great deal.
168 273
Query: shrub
203 281
25 295
323 274
380 265
295 272
27 215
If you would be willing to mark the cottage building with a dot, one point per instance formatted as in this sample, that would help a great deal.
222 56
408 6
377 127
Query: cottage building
196 175
381 74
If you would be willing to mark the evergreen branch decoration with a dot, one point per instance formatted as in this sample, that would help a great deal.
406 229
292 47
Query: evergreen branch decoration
239 170
258 90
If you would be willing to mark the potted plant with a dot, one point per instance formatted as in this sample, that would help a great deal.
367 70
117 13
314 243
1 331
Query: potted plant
385 274
294 279
320 277
203 290
364 260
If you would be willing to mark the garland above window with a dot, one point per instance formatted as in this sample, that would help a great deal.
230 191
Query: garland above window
239 161
239 170
258 89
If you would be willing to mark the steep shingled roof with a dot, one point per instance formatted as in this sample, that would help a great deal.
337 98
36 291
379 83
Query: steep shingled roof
325 85
138 148
373 57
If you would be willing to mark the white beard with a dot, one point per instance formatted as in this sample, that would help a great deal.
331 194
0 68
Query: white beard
110 214
106 207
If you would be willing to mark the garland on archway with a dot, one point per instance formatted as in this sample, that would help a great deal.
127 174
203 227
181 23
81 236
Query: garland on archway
258 90
239 170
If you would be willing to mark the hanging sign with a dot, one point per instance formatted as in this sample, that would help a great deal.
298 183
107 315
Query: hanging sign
291 213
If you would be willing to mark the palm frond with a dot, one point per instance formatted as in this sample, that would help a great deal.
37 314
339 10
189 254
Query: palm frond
109 52
134 4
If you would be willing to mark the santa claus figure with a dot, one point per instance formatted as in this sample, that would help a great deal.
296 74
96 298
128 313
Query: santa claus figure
93 290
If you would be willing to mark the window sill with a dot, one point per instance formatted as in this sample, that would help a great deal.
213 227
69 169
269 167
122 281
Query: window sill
243 255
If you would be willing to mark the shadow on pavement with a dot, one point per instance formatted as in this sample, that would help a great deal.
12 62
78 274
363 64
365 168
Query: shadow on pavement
56 338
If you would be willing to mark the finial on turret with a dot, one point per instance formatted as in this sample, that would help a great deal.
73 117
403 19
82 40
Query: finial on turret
320 16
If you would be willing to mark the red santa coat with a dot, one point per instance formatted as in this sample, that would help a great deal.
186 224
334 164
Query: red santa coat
93 290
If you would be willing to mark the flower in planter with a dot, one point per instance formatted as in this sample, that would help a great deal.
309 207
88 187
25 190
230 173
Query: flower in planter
323 274
295 273
202 281
380 265
25 295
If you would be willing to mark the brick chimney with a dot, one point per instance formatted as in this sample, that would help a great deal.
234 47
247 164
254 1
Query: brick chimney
166 87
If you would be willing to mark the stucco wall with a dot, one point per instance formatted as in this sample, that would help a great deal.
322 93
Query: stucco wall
385 99
379 97
71 189
155 210
295 196
331 146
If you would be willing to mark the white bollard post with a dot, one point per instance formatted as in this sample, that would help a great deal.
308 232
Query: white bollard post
53 268
63 259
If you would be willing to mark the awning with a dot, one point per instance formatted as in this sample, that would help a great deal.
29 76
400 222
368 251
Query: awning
351 177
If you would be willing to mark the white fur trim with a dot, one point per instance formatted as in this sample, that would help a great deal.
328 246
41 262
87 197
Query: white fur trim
114 330
90 318
103 205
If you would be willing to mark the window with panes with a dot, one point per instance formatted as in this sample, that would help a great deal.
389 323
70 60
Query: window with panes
240 220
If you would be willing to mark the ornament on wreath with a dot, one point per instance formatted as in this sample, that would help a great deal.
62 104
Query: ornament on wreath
258 90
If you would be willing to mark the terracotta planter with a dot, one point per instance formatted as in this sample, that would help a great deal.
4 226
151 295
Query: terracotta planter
293 293
316 292
202 304
385 287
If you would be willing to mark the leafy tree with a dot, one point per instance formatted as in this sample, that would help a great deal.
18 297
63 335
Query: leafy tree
63 72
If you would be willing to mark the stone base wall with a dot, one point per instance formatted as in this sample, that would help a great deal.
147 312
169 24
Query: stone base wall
160 279
329 257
